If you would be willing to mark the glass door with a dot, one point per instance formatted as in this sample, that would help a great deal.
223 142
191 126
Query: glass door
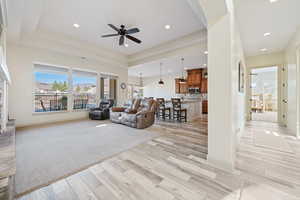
264 94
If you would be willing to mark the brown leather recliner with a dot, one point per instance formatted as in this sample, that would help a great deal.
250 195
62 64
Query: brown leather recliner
140 115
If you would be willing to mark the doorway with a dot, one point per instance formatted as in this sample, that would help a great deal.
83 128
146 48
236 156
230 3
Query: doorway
264 94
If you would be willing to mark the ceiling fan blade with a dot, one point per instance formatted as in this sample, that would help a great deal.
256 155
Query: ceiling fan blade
133 30
121 41
110 35
113 27
133 39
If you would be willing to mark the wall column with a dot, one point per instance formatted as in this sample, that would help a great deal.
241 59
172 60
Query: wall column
220 116
298 91
226 105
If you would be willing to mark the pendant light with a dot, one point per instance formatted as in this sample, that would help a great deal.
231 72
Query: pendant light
141 80
182 79
161 82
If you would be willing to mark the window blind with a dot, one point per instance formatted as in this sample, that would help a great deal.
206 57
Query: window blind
77 72
50 69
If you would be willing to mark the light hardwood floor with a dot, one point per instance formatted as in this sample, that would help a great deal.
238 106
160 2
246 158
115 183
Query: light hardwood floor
173 167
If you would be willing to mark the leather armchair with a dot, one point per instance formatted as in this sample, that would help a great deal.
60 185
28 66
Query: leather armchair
102 112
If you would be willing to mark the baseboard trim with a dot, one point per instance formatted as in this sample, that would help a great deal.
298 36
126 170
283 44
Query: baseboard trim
222 166
49 123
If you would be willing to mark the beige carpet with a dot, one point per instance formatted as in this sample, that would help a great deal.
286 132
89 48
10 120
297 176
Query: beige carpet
45 154
271 140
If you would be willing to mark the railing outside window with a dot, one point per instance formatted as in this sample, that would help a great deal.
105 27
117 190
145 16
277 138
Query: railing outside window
50 102
62 88
84 101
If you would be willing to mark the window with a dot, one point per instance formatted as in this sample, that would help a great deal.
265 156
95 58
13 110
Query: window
84 90
108 86
129 91
62 89
51 89
105 88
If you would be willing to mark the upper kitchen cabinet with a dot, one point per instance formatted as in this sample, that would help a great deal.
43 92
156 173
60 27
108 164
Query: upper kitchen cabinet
180 88
184 88
196 82
203 88
194 78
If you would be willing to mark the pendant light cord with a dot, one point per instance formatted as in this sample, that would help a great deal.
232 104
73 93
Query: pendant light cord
160 70
182 60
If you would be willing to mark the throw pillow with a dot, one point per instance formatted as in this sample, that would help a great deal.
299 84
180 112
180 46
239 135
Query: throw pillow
131 111
118 109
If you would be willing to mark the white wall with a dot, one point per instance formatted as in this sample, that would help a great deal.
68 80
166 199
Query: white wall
266 60
20 61
226 106
133 80
153 89
4 73
293 84
189 45
239 98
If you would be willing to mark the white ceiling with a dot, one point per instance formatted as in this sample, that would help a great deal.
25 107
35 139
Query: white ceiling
257 17
170 66
150 16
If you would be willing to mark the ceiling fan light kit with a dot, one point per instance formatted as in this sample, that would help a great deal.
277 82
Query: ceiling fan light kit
124 33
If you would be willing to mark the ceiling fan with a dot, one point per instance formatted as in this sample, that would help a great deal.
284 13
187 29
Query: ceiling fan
122 32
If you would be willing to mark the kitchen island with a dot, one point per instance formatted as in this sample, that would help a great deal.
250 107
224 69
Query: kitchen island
193 107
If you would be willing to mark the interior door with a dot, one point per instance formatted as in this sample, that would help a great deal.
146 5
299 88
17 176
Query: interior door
282 95
268 94
250 95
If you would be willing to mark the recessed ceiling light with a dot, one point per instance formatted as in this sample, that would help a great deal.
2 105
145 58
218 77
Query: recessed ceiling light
273 1
267 34
76 25
167 26
263 49
126 45
205 52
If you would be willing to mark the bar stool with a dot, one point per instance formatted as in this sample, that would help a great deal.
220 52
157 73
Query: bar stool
163 111
178 110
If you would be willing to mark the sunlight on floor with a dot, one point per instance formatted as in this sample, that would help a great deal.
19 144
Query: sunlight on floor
101 125
261 191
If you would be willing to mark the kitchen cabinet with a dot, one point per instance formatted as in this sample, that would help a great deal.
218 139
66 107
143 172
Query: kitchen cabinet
194 77
180 88
196 80
204 82
184 88
203 88
177 86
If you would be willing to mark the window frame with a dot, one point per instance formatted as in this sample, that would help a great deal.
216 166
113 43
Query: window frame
70 93
33 88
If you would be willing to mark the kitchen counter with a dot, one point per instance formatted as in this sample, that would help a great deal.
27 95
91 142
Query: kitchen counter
185 101
194 108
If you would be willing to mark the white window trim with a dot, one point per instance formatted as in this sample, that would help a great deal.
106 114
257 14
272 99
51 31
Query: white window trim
97 74
33 88
70 87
